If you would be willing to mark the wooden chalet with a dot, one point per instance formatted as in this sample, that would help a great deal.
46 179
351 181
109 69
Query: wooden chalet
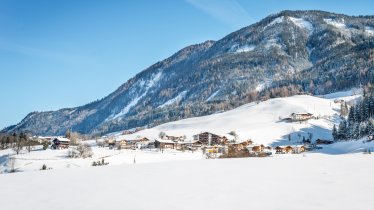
256 148
187 145
139 143
279 150
241 145
300 116
164 144
288 149
60 143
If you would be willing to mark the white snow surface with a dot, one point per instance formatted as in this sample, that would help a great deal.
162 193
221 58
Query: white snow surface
337 24
349 96
302 23
272 42
275 21
212 96
58 159
254 121
369 30
245 48
311 181
338 176
178 98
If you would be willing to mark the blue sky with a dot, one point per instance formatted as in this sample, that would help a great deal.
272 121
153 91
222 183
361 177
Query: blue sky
66 53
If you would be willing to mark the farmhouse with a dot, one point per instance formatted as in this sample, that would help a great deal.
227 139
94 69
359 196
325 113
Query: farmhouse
288 149
255 148
300 116
279 150
165 144
139 143
42 139
188 145
60 143
241 145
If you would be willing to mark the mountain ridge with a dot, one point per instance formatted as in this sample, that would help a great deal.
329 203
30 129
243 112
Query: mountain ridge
287 53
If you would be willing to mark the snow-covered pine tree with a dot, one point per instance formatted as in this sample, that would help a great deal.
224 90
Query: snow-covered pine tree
351 117
355 131
356 113
335 133
342 130
362 129
371 106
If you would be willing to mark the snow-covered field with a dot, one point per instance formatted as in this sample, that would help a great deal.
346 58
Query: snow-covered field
338 176
313 181
254 121
58 159
257 121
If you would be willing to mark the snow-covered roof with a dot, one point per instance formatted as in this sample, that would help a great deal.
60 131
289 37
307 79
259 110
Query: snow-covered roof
164 140
301 113
62 139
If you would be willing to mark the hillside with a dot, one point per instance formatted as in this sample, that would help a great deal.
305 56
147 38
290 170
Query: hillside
255 120
284 54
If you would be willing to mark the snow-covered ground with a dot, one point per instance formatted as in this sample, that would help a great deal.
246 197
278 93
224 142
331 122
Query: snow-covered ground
255 120
338 176
260 122
311 181
58 159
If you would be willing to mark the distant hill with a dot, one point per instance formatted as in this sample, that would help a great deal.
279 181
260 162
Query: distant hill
261 122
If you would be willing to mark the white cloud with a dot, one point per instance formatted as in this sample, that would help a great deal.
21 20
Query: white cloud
229 12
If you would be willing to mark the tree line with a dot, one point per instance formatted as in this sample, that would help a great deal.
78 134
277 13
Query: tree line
17 142
360 120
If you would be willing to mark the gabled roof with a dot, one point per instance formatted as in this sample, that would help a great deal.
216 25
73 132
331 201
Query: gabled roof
301 113
164 141
63 139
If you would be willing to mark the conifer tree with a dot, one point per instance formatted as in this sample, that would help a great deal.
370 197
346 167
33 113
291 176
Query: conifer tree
335 133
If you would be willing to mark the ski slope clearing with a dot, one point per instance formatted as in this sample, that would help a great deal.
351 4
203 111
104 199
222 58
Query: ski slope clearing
311 181
261 122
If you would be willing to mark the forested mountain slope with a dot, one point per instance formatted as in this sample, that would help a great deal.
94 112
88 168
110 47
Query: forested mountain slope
284 54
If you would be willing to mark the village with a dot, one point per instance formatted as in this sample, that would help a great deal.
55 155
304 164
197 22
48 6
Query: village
211 145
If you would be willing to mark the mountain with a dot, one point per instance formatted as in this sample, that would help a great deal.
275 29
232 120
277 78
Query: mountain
288 53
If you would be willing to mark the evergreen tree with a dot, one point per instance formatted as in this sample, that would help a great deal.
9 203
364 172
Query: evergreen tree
335 133
351 117
355 131
342 130
370 128
362 129
356 114
343 109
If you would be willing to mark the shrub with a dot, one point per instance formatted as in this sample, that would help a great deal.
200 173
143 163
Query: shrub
100 143
100 163
46 145
44 167
81 151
